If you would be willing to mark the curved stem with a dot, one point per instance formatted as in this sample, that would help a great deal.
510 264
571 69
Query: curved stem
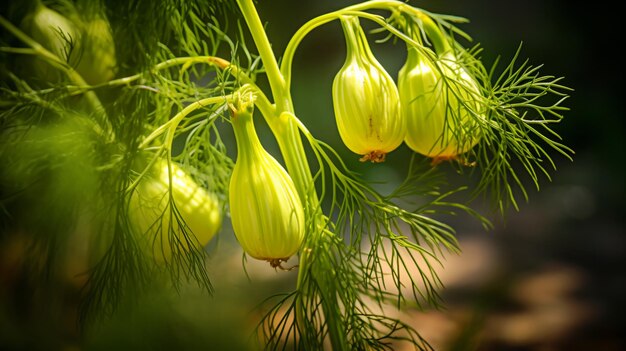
290 51
170 126
178 61
297 38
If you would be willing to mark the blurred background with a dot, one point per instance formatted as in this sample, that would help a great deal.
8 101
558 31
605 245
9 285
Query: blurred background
548 278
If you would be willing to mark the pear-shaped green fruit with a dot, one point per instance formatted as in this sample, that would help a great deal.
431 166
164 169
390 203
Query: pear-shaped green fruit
266 211
96 62
56 33
86 46
152 215
366 100
441 103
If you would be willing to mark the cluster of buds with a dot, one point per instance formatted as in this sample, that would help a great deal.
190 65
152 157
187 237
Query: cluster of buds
434 110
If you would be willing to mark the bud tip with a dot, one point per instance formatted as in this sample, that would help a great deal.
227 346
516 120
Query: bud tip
375 156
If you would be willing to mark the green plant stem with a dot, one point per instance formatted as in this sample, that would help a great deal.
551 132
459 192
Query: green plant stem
289 137
178 61
171 125
276 80
289 140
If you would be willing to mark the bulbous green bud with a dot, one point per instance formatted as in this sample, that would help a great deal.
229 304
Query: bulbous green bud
441 103
366 100
266 211
87 46
96 62
55 32
151 216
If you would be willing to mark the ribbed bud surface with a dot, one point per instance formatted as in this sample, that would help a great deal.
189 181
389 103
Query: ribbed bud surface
152 217
266 211
440 103
366 100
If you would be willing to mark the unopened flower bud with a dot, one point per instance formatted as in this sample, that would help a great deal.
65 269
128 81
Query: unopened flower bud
365 99
152 218
266 211
441 102
85 45
56 33
96 61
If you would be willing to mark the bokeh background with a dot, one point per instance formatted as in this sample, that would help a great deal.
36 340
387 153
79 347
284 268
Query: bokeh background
548 278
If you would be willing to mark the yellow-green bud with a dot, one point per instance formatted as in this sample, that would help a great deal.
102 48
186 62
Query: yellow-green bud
441 103
151 216
96 62
55 33
266 211
86 46
365 99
